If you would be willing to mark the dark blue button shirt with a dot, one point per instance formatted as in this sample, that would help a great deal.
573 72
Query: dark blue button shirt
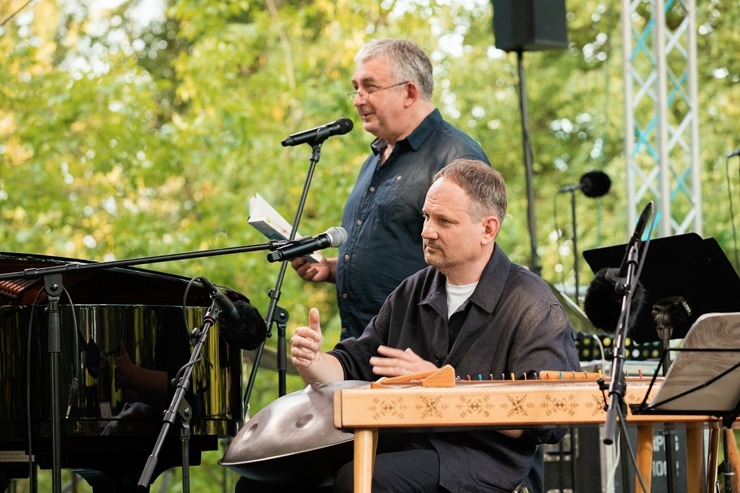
383 217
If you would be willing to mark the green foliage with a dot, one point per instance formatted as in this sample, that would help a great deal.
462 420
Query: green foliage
121 140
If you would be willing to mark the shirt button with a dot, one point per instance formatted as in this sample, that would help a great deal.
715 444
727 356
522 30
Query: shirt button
359 222
372 189
398 178
346 256
345 296
345 330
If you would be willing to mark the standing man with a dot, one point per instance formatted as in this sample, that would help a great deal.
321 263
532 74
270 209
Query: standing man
471 308
393 83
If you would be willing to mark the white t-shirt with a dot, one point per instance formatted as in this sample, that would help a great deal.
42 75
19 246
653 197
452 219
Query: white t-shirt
456 296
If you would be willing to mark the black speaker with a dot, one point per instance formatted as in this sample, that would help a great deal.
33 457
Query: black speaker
529 25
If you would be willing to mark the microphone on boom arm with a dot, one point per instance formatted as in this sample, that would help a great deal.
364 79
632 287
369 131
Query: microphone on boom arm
603 300
332 237
593 184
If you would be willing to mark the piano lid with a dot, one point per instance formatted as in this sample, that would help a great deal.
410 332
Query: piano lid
102 286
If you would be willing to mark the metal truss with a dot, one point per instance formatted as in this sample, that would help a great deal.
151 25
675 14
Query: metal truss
661 113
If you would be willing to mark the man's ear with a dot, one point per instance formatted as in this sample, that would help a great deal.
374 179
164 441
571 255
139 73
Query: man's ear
491 227
413 93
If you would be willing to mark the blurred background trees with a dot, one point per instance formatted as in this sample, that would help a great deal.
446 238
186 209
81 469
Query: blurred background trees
133 128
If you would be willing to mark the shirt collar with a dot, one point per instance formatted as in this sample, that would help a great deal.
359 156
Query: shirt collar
415 138
490 286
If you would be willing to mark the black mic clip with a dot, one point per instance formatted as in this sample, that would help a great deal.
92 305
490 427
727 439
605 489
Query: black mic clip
221 301
623 284
280 244
273 245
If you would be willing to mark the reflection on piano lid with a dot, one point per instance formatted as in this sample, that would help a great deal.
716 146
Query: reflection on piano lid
119 285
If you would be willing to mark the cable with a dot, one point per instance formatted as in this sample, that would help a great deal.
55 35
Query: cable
74 388
559 233
29 430
603 355
732 210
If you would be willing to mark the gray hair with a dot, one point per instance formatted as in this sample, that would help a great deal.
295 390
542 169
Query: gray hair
408 62
484 185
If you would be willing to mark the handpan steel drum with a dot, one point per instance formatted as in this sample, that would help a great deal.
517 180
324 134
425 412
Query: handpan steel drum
293 439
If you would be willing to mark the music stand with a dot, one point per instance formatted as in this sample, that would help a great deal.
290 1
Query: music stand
684 266
677 266
705 377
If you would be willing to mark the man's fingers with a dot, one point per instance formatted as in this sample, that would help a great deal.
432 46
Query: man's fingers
314 319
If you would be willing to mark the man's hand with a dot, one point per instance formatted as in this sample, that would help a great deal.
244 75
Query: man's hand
305 345
322 271
395 362
314 365
123 374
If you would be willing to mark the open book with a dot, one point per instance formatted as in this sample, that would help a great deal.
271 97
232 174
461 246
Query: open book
265 219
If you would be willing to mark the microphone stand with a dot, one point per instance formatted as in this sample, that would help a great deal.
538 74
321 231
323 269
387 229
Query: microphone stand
575 245
180 407
54 287
664 327
617 387
275 314
529 173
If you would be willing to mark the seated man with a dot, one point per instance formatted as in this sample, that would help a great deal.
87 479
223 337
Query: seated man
471 308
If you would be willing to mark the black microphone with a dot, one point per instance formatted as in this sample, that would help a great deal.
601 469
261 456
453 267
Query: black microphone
593 184
319 134
636 238
674 313
247 331
221 300
332 237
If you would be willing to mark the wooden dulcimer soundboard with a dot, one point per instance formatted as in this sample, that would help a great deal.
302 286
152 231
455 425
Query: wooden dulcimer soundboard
439 399
556 398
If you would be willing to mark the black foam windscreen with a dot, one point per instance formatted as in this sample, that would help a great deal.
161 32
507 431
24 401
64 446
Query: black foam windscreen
595 184
247 331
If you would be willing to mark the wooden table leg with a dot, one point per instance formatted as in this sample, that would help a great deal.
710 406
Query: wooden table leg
694 456
644 457
366 441
733 456
713 456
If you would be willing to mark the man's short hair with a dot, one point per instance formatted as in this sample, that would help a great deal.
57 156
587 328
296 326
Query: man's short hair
484 185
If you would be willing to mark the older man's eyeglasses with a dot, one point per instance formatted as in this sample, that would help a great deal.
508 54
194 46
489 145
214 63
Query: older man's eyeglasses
363 94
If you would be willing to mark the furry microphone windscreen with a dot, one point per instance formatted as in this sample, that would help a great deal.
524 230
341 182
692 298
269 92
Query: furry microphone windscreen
247 331
603 305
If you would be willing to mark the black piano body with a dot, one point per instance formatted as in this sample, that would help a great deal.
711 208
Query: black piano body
107 434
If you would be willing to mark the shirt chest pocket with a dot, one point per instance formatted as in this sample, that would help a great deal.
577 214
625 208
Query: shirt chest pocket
400 199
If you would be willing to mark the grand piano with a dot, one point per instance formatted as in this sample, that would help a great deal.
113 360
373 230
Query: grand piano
107 433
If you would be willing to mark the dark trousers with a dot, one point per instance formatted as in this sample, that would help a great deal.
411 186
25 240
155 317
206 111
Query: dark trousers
409 471
402 465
